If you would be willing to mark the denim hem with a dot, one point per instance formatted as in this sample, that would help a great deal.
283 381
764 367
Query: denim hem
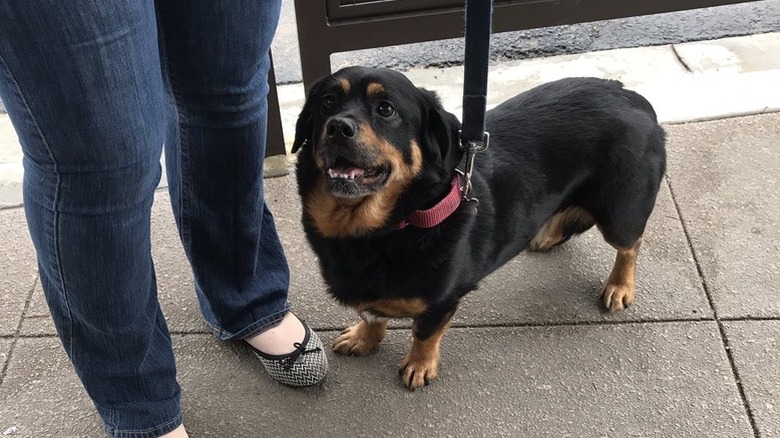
152 432
252 329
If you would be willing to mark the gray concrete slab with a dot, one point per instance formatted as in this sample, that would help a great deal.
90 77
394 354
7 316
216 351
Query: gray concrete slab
561 286
725 175
731 54
37 319
755 346
18 269
41 395
659 379
583 381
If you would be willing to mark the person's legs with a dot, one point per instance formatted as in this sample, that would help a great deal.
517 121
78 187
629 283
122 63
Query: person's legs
215 53
82 83
216 56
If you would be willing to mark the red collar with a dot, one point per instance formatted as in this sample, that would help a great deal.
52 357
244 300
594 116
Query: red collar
438 213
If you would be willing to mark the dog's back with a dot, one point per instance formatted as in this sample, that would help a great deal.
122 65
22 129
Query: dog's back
577 144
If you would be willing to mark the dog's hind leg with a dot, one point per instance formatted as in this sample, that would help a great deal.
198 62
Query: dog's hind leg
622 222
560 227
620 289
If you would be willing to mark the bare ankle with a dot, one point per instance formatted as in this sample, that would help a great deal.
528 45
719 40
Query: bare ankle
279 339
179 432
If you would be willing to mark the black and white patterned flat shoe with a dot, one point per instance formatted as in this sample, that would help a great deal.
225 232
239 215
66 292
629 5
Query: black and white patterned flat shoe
305 366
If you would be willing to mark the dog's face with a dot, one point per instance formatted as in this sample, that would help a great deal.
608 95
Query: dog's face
372 134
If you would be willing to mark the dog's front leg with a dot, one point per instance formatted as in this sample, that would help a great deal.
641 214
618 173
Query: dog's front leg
361 338
421 364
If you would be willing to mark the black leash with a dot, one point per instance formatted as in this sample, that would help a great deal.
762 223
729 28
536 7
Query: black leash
473 137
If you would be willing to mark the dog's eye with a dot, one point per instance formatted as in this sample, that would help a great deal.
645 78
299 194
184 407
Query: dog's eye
328 102
385 109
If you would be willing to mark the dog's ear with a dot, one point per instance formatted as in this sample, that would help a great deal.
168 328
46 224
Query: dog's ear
304 127
440 131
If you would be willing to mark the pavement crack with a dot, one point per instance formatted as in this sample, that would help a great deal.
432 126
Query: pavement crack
680 59
18 331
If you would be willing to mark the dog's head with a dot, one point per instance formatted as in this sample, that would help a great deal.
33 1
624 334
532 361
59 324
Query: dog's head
372 145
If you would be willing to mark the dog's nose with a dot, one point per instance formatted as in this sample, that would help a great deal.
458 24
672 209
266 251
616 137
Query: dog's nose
341 128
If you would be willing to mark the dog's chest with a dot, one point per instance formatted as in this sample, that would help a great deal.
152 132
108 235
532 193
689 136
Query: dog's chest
372 318
381 310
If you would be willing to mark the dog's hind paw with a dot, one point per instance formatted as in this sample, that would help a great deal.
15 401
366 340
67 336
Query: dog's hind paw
617 297
359 339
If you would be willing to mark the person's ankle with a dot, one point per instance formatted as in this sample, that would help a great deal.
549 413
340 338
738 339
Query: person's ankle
281 338
179 432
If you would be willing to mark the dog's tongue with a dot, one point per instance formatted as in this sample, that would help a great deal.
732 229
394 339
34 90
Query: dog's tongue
345 172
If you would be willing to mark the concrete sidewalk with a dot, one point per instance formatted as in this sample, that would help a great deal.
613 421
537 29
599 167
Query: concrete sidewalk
530 354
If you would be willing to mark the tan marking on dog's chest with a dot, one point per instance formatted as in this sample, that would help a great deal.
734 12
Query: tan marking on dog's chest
393 308
335 218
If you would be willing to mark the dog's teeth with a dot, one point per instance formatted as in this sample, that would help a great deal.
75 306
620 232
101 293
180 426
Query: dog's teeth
333 174
352 174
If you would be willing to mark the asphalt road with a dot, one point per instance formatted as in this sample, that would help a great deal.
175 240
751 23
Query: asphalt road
701 24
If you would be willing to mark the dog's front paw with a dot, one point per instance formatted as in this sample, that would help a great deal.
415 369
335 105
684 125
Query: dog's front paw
617 297
418 371
359 339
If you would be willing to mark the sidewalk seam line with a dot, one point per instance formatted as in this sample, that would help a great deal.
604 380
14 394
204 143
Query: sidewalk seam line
715 118
477 326
458 326
18 331
719 322
507 325
11 207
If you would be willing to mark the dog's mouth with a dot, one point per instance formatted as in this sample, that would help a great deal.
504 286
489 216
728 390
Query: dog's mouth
346 179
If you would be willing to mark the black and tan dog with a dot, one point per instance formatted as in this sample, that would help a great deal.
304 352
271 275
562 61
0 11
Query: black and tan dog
377 178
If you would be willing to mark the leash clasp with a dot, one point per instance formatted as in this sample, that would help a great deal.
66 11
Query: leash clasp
472 149
476 146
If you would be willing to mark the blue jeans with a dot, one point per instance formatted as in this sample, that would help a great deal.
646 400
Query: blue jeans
94 90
